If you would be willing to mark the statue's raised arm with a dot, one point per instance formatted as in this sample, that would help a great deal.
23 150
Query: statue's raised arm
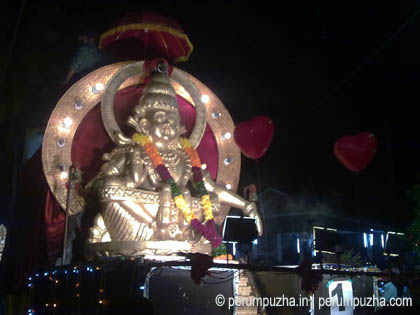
234 200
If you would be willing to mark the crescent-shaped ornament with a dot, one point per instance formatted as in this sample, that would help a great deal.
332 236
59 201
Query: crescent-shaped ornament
107 107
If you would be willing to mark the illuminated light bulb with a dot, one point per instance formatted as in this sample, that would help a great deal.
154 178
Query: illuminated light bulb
203 166
205 98
55 305
98 268
67 122
56 281
97 88
64 175
47 305
228 186
101 302
101 290
226 136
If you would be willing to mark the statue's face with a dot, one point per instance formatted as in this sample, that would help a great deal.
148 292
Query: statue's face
162 125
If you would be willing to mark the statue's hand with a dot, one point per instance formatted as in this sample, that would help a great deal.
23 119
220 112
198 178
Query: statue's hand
252 211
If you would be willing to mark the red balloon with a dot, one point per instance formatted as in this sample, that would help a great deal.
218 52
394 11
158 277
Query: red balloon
355 152
254 136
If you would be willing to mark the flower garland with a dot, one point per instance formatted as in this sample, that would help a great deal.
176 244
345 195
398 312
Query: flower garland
208 229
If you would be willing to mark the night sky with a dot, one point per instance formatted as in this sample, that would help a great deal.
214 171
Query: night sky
320 70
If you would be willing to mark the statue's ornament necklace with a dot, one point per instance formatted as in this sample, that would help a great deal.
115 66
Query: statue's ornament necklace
207 229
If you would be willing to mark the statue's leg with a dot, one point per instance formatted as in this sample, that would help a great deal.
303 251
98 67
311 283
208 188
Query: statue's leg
125 218
98 232
127 221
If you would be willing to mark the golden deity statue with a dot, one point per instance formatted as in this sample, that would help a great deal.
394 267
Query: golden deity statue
151 196
137 205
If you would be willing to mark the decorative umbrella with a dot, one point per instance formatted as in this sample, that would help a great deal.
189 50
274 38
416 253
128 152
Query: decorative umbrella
146 36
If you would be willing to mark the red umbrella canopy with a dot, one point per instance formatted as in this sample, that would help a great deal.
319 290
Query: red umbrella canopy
143 36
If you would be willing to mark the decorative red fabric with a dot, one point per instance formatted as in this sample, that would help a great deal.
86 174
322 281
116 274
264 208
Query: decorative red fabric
35 236
55 220
200 264
355 152
254 136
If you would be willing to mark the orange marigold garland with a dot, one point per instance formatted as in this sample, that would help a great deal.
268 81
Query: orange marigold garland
208 229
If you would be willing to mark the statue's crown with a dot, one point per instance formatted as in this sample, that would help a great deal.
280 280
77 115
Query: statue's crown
158 94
